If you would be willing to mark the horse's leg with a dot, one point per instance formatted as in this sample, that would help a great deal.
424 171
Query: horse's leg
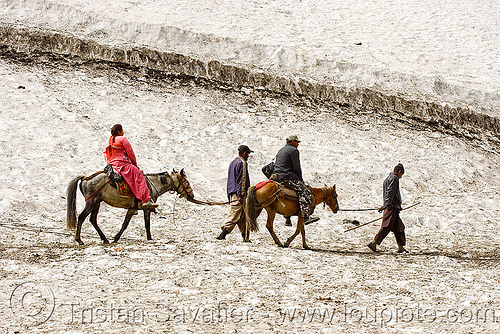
246 235
93 220
303 232
81 218
270 219
300 222
128 216
147 223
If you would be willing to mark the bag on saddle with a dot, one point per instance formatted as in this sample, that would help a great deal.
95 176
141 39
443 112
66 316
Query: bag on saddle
115 177
268 169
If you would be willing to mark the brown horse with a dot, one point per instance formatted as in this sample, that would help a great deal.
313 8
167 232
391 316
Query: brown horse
97 188
276 199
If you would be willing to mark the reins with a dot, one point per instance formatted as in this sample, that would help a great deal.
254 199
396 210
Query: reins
156 192
196 201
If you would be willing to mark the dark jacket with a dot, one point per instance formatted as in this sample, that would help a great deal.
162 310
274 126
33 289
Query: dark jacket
287 165
238 179
392 196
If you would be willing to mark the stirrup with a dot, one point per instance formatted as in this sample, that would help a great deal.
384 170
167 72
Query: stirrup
149 205
310 220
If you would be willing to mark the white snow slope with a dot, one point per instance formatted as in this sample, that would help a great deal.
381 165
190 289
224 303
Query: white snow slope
55 118
422 50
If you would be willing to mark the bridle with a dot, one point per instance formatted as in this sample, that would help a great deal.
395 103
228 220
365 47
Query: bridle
182 184
327 201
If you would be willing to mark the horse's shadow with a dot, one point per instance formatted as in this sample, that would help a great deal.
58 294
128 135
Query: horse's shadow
456 256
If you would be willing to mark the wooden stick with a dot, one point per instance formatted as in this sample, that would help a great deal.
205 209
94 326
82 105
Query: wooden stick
355 227
371 221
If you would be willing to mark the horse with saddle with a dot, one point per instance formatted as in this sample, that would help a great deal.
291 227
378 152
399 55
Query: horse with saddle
275 197
109 187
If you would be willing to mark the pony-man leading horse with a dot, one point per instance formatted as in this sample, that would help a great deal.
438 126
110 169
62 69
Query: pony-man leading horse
98 188
276 199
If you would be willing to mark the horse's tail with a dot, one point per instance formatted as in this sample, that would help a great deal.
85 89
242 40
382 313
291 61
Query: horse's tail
71 200
251 211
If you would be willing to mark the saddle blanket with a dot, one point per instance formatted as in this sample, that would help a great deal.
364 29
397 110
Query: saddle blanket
261 184
123 189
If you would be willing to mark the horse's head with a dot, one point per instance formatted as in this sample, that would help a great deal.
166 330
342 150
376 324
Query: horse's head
331 198
182 186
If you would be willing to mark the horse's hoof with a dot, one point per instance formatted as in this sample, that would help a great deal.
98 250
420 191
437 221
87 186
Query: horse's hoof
306 247
285 245
79 242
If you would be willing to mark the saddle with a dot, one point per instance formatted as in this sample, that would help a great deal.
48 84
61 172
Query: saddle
118 182
282 192
285 192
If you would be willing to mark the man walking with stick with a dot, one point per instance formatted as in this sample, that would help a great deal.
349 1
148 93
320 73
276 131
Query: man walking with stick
392 206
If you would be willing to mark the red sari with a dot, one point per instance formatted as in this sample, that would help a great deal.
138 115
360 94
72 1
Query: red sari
120 155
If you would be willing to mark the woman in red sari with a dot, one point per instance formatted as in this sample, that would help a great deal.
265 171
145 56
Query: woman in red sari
120 155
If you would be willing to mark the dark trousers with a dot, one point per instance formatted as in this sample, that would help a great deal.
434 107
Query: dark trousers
391 222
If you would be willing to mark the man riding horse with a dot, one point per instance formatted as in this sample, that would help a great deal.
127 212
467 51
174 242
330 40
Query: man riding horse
276 198
287 170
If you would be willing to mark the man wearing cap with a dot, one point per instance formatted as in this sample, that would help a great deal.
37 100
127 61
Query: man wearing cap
238 182
288 171
392 206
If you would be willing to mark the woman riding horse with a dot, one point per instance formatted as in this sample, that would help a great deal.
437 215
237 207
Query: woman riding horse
98 188
120 155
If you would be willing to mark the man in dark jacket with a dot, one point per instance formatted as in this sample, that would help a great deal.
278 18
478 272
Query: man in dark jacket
392 206
288 171
238 182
